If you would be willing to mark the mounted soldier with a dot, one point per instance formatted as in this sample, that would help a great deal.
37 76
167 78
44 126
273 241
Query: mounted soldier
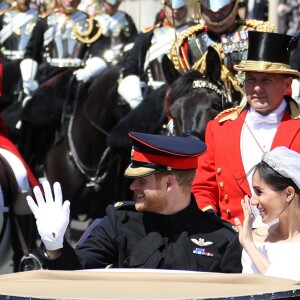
143 65
219 25
65 44
16 25
119 27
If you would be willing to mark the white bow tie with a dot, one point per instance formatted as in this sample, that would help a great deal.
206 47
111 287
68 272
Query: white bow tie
269 119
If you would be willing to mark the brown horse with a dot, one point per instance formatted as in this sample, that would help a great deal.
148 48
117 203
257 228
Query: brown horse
81 160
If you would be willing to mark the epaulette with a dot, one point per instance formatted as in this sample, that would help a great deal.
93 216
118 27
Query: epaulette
230 113
124 205
224 223
149 28
295 110
258 25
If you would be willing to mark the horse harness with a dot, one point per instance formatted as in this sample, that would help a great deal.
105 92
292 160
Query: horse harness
197 84
95 180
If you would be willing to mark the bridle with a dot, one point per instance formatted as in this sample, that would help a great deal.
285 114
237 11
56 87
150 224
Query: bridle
197 84
95 180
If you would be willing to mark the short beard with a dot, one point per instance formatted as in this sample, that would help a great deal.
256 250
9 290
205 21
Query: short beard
154 202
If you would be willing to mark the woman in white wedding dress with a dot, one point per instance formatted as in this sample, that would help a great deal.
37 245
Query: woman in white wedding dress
273 250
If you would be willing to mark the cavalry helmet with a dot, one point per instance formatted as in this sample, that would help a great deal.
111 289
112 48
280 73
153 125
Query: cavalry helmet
229 9
175 4
178 19
113 2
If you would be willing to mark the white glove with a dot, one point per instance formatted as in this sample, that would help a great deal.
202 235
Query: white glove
52 216
29 86
130 90
94 67
28 69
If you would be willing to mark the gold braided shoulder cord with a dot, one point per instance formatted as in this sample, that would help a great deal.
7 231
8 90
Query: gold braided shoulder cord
83 36
260 25
177 47
226 76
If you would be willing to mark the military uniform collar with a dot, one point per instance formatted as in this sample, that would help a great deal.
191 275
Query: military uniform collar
179 220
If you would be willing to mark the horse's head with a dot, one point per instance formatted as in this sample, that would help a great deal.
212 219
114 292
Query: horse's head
195 98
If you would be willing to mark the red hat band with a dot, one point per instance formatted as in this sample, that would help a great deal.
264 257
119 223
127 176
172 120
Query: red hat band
179 162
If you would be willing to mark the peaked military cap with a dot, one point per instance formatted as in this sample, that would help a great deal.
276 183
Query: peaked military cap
153 153
269 53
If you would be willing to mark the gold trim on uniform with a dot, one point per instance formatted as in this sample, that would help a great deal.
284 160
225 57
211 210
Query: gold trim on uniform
295 110
82 36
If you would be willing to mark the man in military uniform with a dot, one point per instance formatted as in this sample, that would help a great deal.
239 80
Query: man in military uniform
143 65
237 138
119 27
162 229
16 25
220 26
64 44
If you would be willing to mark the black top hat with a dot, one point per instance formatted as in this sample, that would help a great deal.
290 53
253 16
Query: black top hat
269 53
153 153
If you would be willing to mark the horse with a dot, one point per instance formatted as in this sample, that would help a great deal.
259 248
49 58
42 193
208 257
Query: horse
81 160
194 98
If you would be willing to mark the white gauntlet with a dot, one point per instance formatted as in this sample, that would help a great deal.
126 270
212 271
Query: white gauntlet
93 68
130 90
52 216
28 69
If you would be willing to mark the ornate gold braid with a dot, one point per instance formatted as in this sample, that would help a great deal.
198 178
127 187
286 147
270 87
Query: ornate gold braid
260 26
175 57
83 36
200 65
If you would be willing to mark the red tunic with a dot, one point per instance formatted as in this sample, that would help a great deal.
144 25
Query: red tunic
220 181
5 143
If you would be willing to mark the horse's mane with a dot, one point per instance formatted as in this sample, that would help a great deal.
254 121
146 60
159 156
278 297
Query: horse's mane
182 86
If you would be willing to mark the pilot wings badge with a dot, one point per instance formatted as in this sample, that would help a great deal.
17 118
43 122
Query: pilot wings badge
201 242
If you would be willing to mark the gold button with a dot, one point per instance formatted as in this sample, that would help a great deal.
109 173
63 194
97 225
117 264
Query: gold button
226 198
219 170
228 212
221 184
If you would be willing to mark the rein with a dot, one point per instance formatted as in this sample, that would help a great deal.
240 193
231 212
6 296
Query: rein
95 180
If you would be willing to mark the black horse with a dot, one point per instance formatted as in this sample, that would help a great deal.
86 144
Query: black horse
194 99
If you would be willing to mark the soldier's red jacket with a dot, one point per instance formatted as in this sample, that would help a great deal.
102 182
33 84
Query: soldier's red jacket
220 181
